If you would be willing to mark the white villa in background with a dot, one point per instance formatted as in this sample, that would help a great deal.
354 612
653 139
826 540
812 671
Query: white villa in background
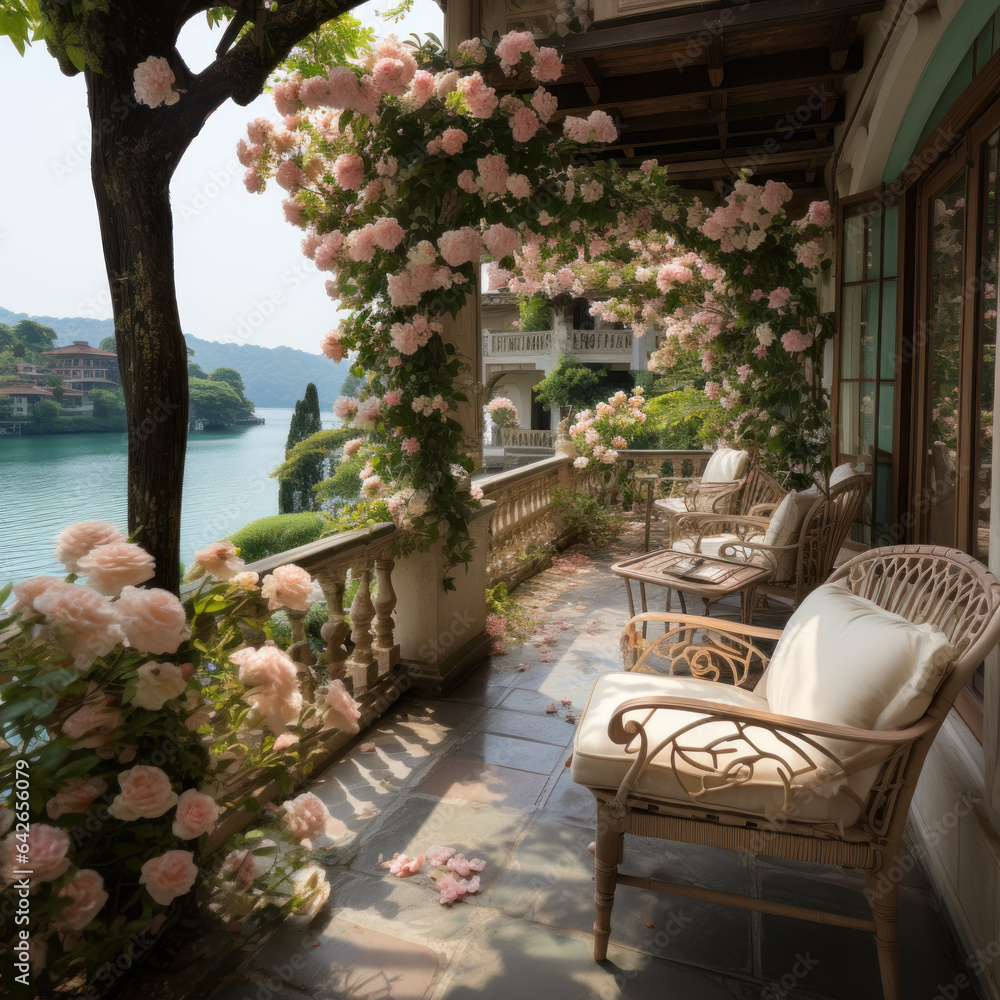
514 362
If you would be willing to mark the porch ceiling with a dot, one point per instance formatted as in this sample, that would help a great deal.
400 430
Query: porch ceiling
758 83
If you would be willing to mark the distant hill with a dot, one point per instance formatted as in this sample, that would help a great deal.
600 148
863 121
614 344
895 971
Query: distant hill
273 376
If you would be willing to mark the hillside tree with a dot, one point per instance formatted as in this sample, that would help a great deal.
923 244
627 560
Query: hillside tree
135 151
298 479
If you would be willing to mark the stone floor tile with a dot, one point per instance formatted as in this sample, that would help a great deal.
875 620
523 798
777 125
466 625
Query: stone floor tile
844 963
342 961
476 830
522 699
510 959
457 778
570 802
550 881
510 751
484 687
527 725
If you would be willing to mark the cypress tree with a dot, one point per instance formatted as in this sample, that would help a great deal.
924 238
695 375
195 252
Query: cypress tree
295 490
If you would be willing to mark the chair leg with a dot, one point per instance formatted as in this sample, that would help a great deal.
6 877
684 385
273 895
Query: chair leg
607 856
883 897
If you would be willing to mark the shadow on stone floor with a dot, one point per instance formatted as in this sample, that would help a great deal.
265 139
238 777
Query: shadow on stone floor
483 769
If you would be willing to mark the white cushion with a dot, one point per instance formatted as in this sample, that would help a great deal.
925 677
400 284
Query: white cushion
785 527
841 474
741 776
725 466
844 660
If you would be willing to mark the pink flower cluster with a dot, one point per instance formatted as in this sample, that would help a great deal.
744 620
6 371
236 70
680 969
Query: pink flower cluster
481 100
597 127
449 888
271 680
426 406
342 711
461 246
220 559
795 341
154 82
288 586
305 817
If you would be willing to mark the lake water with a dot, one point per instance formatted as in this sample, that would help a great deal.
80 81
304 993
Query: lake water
50 481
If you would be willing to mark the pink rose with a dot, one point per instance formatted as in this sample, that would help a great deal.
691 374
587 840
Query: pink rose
240 866
153 82
86 895
548 66
288 586
305 817
28 590
82 622
158 683
219 560
46 854
168 876
349 171
145 794
78 539
94 725
118 564
76 796
153 620
284 741
524 125
343 712
271 678
196 814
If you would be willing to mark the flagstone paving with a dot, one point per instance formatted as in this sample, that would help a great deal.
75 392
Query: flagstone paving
484 770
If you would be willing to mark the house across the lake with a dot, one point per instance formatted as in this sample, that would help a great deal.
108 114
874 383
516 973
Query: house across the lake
83 367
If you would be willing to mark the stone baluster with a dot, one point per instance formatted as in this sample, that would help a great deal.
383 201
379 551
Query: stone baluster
335 629
301 652
362 668
386 649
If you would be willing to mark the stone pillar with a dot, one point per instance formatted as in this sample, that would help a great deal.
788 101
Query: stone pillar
440 633
465 332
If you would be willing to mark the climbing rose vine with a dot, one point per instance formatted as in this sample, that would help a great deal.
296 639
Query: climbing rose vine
737 283
407 169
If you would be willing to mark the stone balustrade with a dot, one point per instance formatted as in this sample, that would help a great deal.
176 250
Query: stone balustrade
524 521
614 344
522 437
672 468
361 646
511 343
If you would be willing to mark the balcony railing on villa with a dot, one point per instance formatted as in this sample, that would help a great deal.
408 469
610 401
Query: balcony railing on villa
603 343
508 343
521 437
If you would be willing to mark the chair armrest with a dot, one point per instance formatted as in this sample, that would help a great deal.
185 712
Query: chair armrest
811 754
710 649
741 525
713 495
764 509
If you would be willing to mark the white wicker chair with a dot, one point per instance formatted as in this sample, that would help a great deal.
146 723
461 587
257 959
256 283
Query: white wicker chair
695 792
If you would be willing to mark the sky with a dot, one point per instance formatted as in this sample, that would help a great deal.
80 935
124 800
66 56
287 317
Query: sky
240 275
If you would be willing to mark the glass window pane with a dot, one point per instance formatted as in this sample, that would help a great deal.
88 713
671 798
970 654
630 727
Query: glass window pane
944 330
854 247
873 256
849 423
887 335
886 398
890 256
882 497
850 331
867 436
869 335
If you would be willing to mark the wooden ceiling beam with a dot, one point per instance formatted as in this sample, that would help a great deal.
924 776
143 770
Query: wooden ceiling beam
712 24
716 61
721 107
795 72
590 73
840 44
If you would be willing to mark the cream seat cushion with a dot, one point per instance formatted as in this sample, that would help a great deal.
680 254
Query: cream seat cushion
725 466
699 778
671 505
712 544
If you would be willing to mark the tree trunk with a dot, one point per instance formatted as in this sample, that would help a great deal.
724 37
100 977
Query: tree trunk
131 177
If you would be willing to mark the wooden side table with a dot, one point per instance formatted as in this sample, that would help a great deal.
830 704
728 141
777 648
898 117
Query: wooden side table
710 577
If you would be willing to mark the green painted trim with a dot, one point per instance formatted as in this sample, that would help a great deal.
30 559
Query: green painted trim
948 55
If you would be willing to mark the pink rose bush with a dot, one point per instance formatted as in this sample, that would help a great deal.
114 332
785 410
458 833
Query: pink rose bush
143 718
599 432
501 411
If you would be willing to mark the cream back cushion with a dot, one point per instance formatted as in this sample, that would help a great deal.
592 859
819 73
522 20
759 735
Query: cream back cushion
725 465
844 660
785 527
841 474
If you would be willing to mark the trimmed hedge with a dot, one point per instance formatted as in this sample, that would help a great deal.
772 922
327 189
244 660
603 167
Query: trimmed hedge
270 535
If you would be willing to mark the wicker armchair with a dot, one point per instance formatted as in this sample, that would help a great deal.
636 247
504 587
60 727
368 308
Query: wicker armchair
740 497
722 770
798 566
